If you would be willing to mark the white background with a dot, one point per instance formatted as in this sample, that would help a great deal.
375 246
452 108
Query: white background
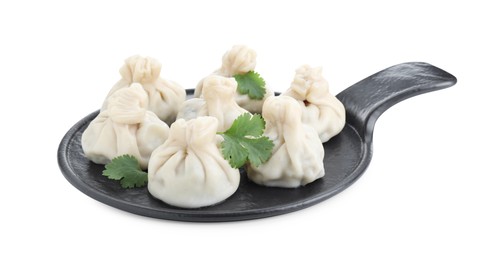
434 188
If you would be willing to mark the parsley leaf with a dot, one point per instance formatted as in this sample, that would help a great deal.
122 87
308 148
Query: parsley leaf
126 169
252 84
243 141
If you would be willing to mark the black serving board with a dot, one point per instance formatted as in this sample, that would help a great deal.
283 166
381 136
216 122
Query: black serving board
347 155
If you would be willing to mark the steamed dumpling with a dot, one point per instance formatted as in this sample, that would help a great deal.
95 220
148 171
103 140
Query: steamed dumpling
320 109
239 60
217 101
297 156
188 170
164 97
125 126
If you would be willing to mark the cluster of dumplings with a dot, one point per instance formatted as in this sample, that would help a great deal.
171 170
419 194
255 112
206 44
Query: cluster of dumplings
176 139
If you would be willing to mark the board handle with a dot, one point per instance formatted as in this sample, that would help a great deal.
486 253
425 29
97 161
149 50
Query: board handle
366 100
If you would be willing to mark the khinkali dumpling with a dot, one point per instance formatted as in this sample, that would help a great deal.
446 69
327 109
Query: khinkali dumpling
297 156
320 109
239 60
164 97
125 126
217 101
188 170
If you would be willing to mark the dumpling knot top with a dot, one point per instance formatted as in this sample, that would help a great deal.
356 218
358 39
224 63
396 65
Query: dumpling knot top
125 126
128 107
217 88
217 101
164 97
320 109
239 60
297 156
188 170
141 69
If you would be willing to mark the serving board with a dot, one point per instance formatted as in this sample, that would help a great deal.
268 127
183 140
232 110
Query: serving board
347 155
